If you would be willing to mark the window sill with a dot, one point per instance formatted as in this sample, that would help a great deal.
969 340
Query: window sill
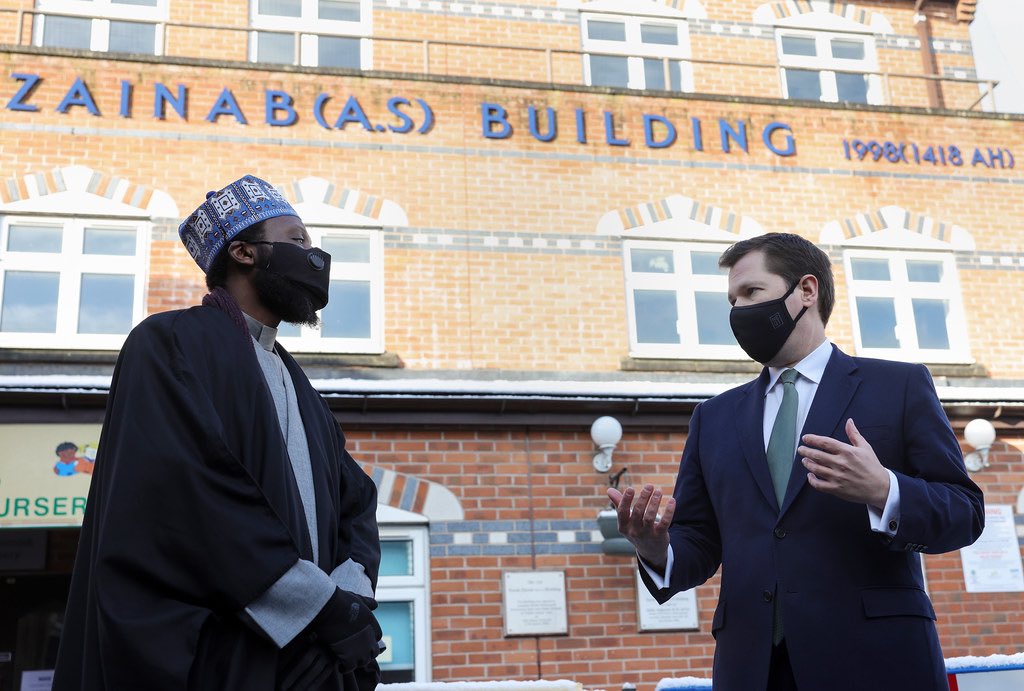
387 360
632 364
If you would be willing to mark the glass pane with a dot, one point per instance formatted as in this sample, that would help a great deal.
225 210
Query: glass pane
275 48
924 271
35 239
281 8
347 314
116 241
847 49
852 88
105 305
798 45
606 31
713 319
608 70
145 3
651 261
67 32
930 319
347 249
132 37
654 74
661 34
340 10
286 330
396 621
336 51
30 302
877 318
869 269
656 316
396 558
804 85
705 264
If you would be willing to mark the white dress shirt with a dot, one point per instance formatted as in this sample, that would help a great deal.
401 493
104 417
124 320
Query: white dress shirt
811 369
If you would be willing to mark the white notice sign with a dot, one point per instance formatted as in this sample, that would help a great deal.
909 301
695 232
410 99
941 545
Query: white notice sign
534 603
678 614
993 563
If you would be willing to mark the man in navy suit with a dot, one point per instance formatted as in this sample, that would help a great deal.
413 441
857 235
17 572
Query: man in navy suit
817 534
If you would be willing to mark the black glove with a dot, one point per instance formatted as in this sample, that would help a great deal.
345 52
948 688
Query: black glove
304 665
347 627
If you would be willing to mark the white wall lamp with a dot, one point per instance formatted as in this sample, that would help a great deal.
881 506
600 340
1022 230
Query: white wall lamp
980 434
606 433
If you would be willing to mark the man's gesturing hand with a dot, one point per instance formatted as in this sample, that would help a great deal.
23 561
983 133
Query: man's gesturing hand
849 471
640 524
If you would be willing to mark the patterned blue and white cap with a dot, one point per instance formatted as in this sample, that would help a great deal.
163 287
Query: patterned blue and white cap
228 212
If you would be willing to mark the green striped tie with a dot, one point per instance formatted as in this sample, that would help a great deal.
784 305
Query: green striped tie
781 448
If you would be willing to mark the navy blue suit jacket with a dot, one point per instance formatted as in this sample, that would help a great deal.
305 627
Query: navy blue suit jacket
854 609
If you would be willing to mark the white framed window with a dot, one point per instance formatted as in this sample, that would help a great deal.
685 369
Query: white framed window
636 52
353 320
324 33
828 66
403 604
677 300
906 305
70 282
114 26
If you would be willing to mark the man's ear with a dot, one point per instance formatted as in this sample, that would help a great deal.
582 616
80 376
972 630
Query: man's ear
808 290
242 253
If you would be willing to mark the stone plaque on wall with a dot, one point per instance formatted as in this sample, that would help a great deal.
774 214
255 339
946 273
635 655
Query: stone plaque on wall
533 603
678 614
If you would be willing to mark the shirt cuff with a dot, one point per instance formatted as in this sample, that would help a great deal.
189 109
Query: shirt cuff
351 576
888 519
287 607
660 580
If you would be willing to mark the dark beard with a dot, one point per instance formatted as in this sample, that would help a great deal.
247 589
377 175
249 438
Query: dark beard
285 299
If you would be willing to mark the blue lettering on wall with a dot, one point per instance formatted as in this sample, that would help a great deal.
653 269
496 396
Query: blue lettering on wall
552 129
406 122
737 134
581 127
609 131
698 135
789 146
126 99
226 105
649 138
162 98
78 95
428 117
277 102
29 84
352 112
493 114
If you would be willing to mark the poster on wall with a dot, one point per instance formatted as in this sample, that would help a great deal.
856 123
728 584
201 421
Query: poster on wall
678 614
44 474
534 603
993 563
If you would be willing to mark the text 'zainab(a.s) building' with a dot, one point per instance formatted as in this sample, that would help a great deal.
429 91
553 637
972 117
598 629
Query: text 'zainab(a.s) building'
525 201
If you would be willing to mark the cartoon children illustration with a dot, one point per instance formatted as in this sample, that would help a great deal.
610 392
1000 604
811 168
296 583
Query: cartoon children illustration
67 462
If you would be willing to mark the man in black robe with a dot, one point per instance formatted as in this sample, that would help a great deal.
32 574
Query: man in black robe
229 541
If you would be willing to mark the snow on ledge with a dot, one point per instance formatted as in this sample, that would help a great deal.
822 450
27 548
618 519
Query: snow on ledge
971 663
683 683
540 685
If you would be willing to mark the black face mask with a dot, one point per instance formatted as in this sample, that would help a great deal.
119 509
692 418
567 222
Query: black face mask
308 269
762 329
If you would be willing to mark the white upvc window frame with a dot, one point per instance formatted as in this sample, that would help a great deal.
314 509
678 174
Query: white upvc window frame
414 588
635 50
71 263
826 65
309 338
902 291
685 284
101 12
309 28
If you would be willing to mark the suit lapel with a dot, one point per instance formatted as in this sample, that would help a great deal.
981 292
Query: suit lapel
750 425
838 384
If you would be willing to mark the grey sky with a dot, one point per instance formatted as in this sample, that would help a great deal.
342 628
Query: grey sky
997 34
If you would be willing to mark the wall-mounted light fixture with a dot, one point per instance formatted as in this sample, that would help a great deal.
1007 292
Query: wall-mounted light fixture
980 434
606 433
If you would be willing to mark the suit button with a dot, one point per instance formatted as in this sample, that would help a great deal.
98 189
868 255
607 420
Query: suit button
767 596
780 533
893 525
